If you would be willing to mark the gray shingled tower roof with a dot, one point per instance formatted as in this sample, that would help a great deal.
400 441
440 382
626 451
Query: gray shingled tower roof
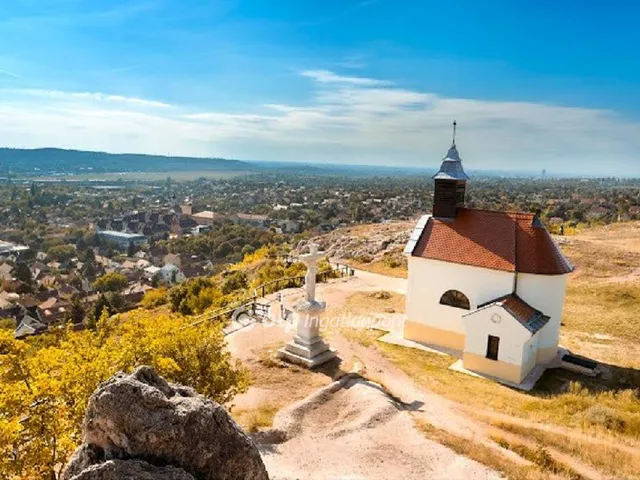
451 168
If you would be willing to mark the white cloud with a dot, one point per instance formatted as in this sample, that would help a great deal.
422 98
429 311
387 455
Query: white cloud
325 76
96 97
357 120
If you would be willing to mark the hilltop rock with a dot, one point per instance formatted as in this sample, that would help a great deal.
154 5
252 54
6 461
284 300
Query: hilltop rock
141 426
130 469
364 242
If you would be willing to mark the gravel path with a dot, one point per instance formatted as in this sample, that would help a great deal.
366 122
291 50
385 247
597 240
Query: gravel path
352 429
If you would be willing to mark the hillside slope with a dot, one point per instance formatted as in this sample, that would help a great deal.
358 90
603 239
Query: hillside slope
74 161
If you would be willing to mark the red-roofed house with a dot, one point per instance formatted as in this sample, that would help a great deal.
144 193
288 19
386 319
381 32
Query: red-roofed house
489 285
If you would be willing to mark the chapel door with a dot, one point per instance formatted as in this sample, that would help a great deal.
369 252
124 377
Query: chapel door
493 345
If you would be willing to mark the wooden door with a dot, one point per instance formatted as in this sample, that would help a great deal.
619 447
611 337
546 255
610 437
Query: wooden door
493 345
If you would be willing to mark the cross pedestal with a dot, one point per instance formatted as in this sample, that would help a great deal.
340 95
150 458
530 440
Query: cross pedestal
307 348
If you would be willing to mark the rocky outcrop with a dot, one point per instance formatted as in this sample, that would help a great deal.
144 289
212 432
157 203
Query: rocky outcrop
370 242
141 426
131 469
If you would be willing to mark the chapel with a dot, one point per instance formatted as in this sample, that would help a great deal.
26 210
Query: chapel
487 285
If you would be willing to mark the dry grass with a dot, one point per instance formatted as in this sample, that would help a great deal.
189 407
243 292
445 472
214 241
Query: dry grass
599 259
274 384
603 307
391 265
603 296
368 303
539 456
488 456
606 457
366 338
291 382
573 408
257 418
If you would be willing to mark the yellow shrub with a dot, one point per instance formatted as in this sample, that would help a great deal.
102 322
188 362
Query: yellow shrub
45 386
154 298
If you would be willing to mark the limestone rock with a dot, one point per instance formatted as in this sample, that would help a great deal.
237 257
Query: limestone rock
143 417
370 242
131 469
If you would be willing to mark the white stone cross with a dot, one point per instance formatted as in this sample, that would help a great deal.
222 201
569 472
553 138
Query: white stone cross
307 347
311 261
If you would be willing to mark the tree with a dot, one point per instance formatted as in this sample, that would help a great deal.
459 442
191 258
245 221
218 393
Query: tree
46 384
7 323
81 244
154 298
23 273
89 270
131 250
235 281
76 312
194 296
223 250
61 253
111 282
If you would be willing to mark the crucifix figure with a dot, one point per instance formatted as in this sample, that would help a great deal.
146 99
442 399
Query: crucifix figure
307 348
311 262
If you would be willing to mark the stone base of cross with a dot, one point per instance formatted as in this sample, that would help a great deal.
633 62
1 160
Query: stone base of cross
308 348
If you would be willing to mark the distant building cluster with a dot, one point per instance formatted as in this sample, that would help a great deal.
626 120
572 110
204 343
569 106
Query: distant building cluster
9 248
122 239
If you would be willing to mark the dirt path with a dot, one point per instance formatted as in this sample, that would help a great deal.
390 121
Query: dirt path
353 429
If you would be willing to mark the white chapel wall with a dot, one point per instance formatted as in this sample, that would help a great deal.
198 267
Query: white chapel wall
513 336
545 293
429 279
530 352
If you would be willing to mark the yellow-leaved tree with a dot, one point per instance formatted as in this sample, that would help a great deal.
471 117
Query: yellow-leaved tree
45 382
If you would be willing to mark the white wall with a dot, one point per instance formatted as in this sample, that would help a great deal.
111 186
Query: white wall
167 276
429 279
530 352
513 336
545 293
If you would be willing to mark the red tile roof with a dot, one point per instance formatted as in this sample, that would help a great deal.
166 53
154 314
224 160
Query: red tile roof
520 309
498 240
532 319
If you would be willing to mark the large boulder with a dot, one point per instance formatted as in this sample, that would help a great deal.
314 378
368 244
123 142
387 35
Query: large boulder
157 428
131 469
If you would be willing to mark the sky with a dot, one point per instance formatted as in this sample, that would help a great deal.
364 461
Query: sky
532 84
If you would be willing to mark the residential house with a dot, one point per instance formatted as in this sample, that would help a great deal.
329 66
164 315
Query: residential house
6 272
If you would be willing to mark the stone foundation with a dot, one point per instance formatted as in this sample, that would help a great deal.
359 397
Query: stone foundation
419 332
493 368
545 355
307 348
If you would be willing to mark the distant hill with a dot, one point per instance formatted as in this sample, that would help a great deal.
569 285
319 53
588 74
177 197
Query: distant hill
55 160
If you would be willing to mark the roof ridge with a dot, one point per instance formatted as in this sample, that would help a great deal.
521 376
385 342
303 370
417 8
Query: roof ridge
498 212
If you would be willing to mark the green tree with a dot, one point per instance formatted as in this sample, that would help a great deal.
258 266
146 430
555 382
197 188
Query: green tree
223 250
110 282
235 281
89 270
61 253
76 312
23 273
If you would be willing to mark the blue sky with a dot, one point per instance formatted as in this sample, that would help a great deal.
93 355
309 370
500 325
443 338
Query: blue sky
533 84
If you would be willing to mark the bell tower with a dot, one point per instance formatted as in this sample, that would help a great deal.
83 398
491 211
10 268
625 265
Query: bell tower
450 183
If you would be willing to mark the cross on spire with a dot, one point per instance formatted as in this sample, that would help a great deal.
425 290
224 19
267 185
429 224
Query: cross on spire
455 124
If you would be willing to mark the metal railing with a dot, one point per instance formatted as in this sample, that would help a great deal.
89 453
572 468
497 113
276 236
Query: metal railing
340 271
249 303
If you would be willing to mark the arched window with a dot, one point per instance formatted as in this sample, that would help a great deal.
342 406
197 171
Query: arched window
454 298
